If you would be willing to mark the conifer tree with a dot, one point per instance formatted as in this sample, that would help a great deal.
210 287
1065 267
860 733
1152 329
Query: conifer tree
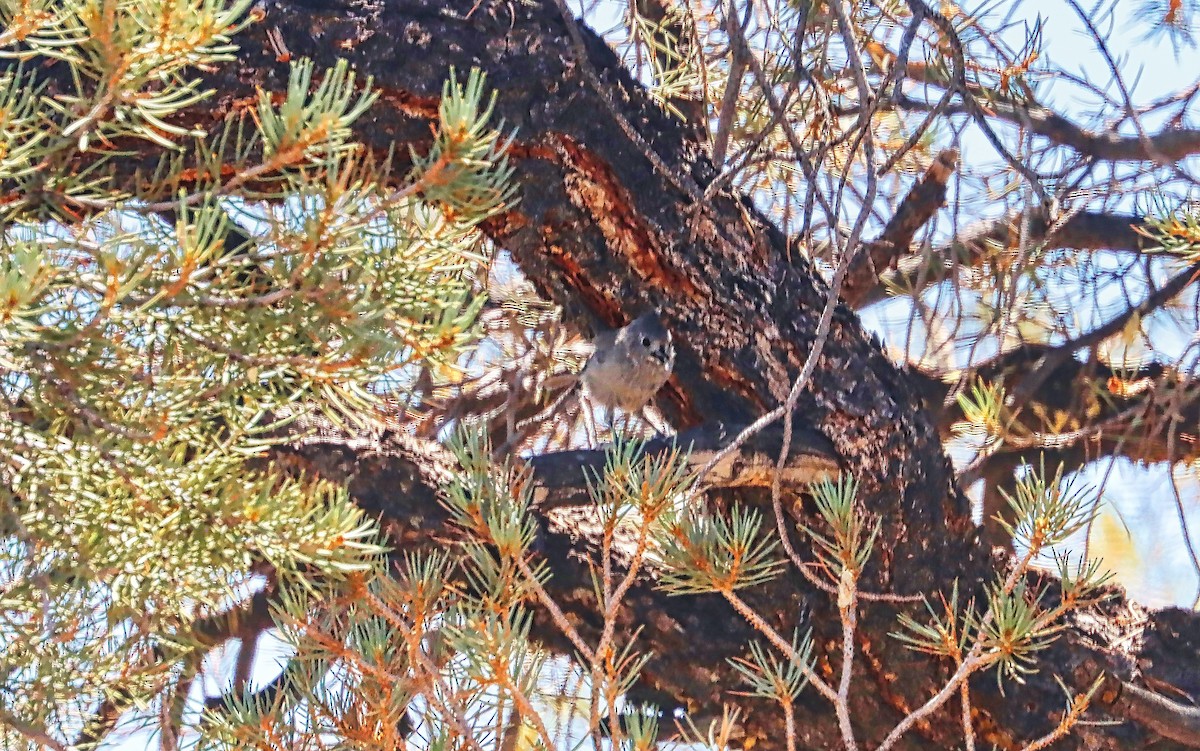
292 308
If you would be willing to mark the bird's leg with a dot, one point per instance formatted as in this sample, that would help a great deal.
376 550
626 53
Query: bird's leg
510 409
660 428
645 422
588 413
612 424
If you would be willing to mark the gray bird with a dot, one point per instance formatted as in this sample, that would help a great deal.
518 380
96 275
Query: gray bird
625 370
629 365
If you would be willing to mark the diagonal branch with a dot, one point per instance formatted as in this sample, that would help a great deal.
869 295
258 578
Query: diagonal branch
917 208
1170 719
1059 354
604 226
1040 374
1171 144
1086 230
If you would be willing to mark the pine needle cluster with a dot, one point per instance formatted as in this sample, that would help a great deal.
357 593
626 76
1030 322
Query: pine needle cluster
164 327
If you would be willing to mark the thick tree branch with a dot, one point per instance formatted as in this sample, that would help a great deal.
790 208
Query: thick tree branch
1131 409
917 208
1126 417
1171 144
605 230
561 479
689 635
1157 299
1168 718
1086 230
1174 144
1078 413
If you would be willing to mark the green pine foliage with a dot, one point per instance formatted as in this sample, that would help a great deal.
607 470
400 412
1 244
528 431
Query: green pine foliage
157 333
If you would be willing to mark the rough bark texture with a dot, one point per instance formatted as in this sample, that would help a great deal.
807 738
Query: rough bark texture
599 230
398 478
560 478
603 232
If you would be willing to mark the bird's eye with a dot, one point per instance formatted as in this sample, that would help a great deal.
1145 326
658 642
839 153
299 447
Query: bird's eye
645 341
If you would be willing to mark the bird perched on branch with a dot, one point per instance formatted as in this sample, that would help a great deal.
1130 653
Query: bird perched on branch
629 365
625 369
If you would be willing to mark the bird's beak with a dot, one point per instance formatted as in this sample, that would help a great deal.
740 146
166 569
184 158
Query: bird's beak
660 354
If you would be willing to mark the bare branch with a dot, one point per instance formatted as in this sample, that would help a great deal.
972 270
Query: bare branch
1170 719
917 208
1086 230
1170 144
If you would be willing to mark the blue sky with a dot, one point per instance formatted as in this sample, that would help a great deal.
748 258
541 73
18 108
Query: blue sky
1140 533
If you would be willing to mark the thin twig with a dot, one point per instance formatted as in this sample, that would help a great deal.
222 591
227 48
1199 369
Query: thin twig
972 105
733 85
684 183
964 693
755 620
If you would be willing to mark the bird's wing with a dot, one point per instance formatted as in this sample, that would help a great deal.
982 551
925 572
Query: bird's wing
602 344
